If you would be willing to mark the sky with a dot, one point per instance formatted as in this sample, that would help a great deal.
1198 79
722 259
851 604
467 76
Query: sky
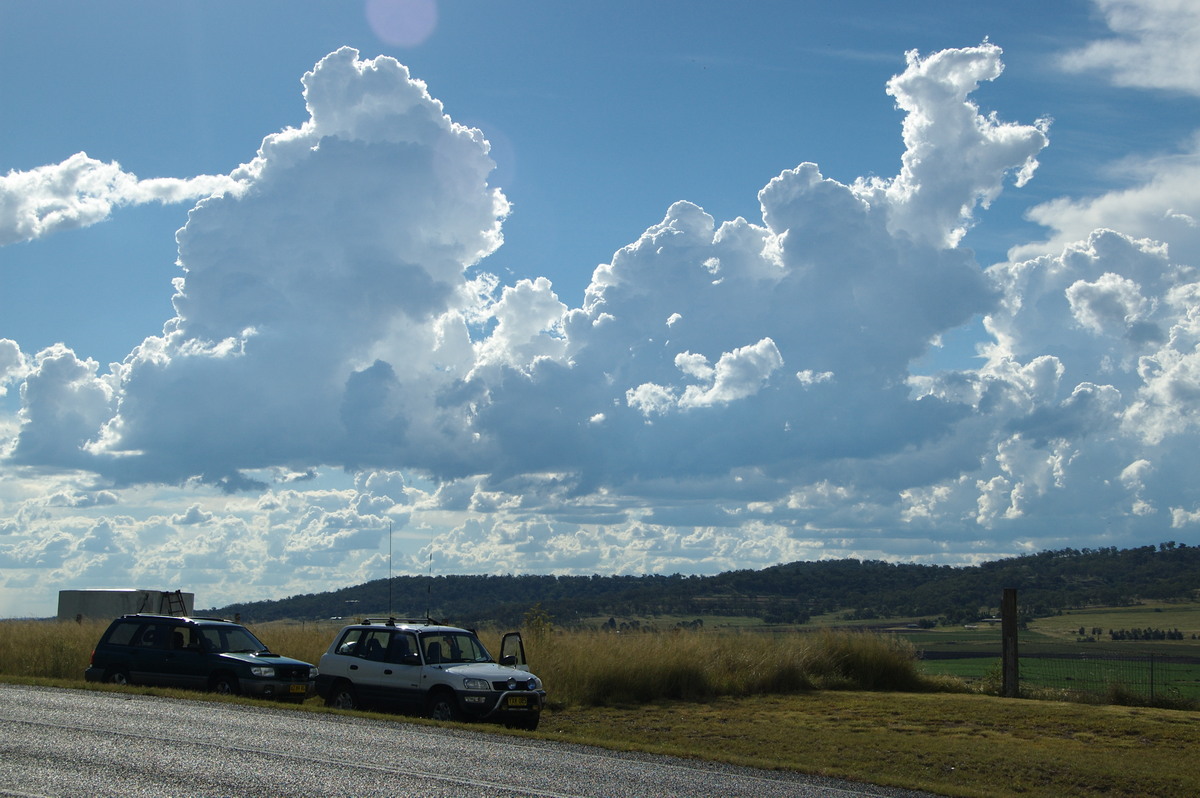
294 296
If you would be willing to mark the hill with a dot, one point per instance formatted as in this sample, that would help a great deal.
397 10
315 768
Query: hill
1047 582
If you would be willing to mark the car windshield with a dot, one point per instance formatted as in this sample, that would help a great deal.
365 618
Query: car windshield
230 639
453 647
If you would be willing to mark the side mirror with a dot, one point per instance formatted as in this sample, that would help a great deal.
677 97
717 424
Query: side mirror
410 659
509 660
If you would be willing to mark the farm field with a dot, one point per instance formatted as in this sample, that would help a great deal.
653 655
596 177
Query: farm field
1054 655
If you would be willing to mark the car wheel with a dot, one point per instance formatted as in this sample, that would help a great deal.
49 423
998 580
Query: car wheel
117 677
342 697
443 706
224 684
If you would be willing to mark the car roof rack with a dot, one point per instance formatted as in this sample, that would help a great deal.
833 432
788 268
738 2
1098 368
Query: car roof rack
392 621
175 617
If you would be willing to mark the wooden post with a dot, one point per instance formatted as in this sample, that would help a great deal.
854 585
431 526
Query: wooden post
1008 649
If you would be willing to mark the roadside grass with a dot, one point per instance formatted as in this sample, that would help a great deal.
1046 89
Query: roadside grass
596 669
950 744
945 743
845 704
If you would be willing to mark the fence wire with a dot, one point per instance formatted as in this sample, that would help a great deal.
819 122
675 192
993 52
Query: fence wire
1152 677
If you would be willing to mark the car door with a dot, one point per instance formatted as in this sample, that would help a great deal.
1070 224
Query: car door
185 659
149 655
512 652
384 671
403 671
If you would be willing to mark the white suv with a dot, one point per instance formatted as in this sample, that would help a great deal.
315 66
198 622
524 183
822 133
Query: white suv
422 667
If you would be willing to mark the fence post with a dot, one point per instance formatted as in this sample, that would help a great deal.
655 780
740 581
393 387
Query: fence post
1008 648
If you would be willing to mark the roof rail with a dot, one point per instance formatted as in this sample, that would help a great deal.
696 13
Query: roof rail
175 617
392 621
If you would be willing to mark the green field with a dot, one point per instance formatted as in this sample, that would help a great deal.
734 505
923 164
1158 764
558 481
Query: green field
1055 657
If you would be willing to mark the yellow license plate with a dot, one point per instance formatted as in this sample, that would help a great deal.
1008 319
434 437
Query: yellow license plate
518 701
298 688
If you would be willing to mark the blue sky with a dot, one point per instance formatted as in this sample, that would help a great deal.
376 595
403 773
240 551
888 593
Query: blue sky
567 288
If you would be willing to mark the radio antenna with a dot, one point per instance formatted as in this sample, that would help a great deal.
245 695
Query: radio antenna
389 569
429 586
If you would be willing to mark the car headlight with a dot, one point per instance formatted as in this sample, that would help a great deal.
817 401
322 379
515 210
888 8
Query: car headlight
476 684
313 673
265 673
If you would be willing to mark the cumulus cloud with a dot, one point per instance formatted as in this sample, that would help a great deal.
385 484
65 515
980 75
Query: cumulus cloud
14 365
81 191
325 315
1153 47
725 392
1162 203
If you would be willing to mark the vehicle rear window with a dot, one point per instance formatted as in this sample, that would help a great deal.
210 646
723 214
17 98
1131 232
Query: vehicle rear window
122 634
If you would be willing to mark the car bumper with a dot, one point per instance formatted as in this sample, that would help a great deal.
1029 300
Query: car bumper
271 688
510 704
94 675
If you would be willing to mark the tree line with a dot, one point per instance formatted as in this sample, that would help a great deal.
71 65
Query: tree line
1047 582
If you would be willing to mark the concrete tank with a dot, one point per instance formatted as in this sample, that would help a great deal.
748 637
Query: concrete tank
78 604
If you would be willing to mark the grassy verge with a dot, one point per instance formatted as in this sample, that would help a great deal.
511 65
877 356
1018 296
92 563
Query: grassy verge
788 701
960 745
949 744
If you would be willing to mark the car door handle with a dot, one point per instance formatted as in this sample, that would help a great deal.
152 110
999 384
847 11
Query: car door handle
387 672
353 667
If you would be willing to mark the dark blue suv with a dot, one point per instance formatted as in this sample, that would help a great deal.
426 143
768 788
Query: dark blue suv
196 653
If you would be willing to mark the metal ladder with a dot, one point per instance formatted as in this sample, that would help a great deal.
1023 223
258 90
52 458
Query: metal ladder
175 603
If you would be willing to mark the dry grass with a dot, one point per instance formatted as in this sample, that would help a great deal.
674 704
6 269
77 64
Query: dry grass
812 703
48 648
597 669
584 668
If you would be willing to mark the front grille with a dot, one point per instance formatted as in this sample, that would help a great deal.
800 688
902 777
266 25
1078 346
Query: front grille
294 673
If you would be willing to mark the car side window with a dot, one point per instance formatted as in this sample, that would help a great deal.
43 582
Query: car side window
350 642
154 635
182 637
122 634
402 649
374 645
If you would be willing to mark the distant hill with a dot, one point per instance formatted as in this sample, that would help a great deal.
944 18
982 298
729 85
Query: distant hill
1047 582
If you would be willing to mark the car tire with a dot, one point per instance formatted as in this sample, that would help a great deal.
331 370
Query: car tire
224 684
117 677
342 696
442 705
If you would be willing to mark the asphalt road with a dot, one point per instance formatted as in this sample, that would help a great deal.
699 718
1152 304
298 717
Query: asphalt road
56 742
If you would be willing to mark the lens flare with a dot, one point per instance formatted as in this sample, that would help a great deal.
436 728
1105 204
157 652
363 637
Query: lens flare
406 23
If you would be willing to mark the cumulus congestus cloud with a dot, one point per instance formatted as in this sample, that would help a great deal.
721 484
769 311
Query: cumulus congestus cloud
326 315
726 391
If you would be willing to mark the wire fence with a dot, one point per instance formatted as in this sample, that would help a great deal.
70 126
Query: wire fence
1098 676
1151 677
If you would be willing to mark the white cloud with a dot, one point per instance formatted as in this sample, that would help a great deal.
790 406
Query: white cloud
14 365
1155 45
934 196
737 375
1162 204
81 191
333 316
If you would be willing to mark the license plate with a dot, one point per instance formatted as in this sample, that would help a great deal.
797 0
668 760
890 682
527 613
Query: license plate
518 701
298 688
